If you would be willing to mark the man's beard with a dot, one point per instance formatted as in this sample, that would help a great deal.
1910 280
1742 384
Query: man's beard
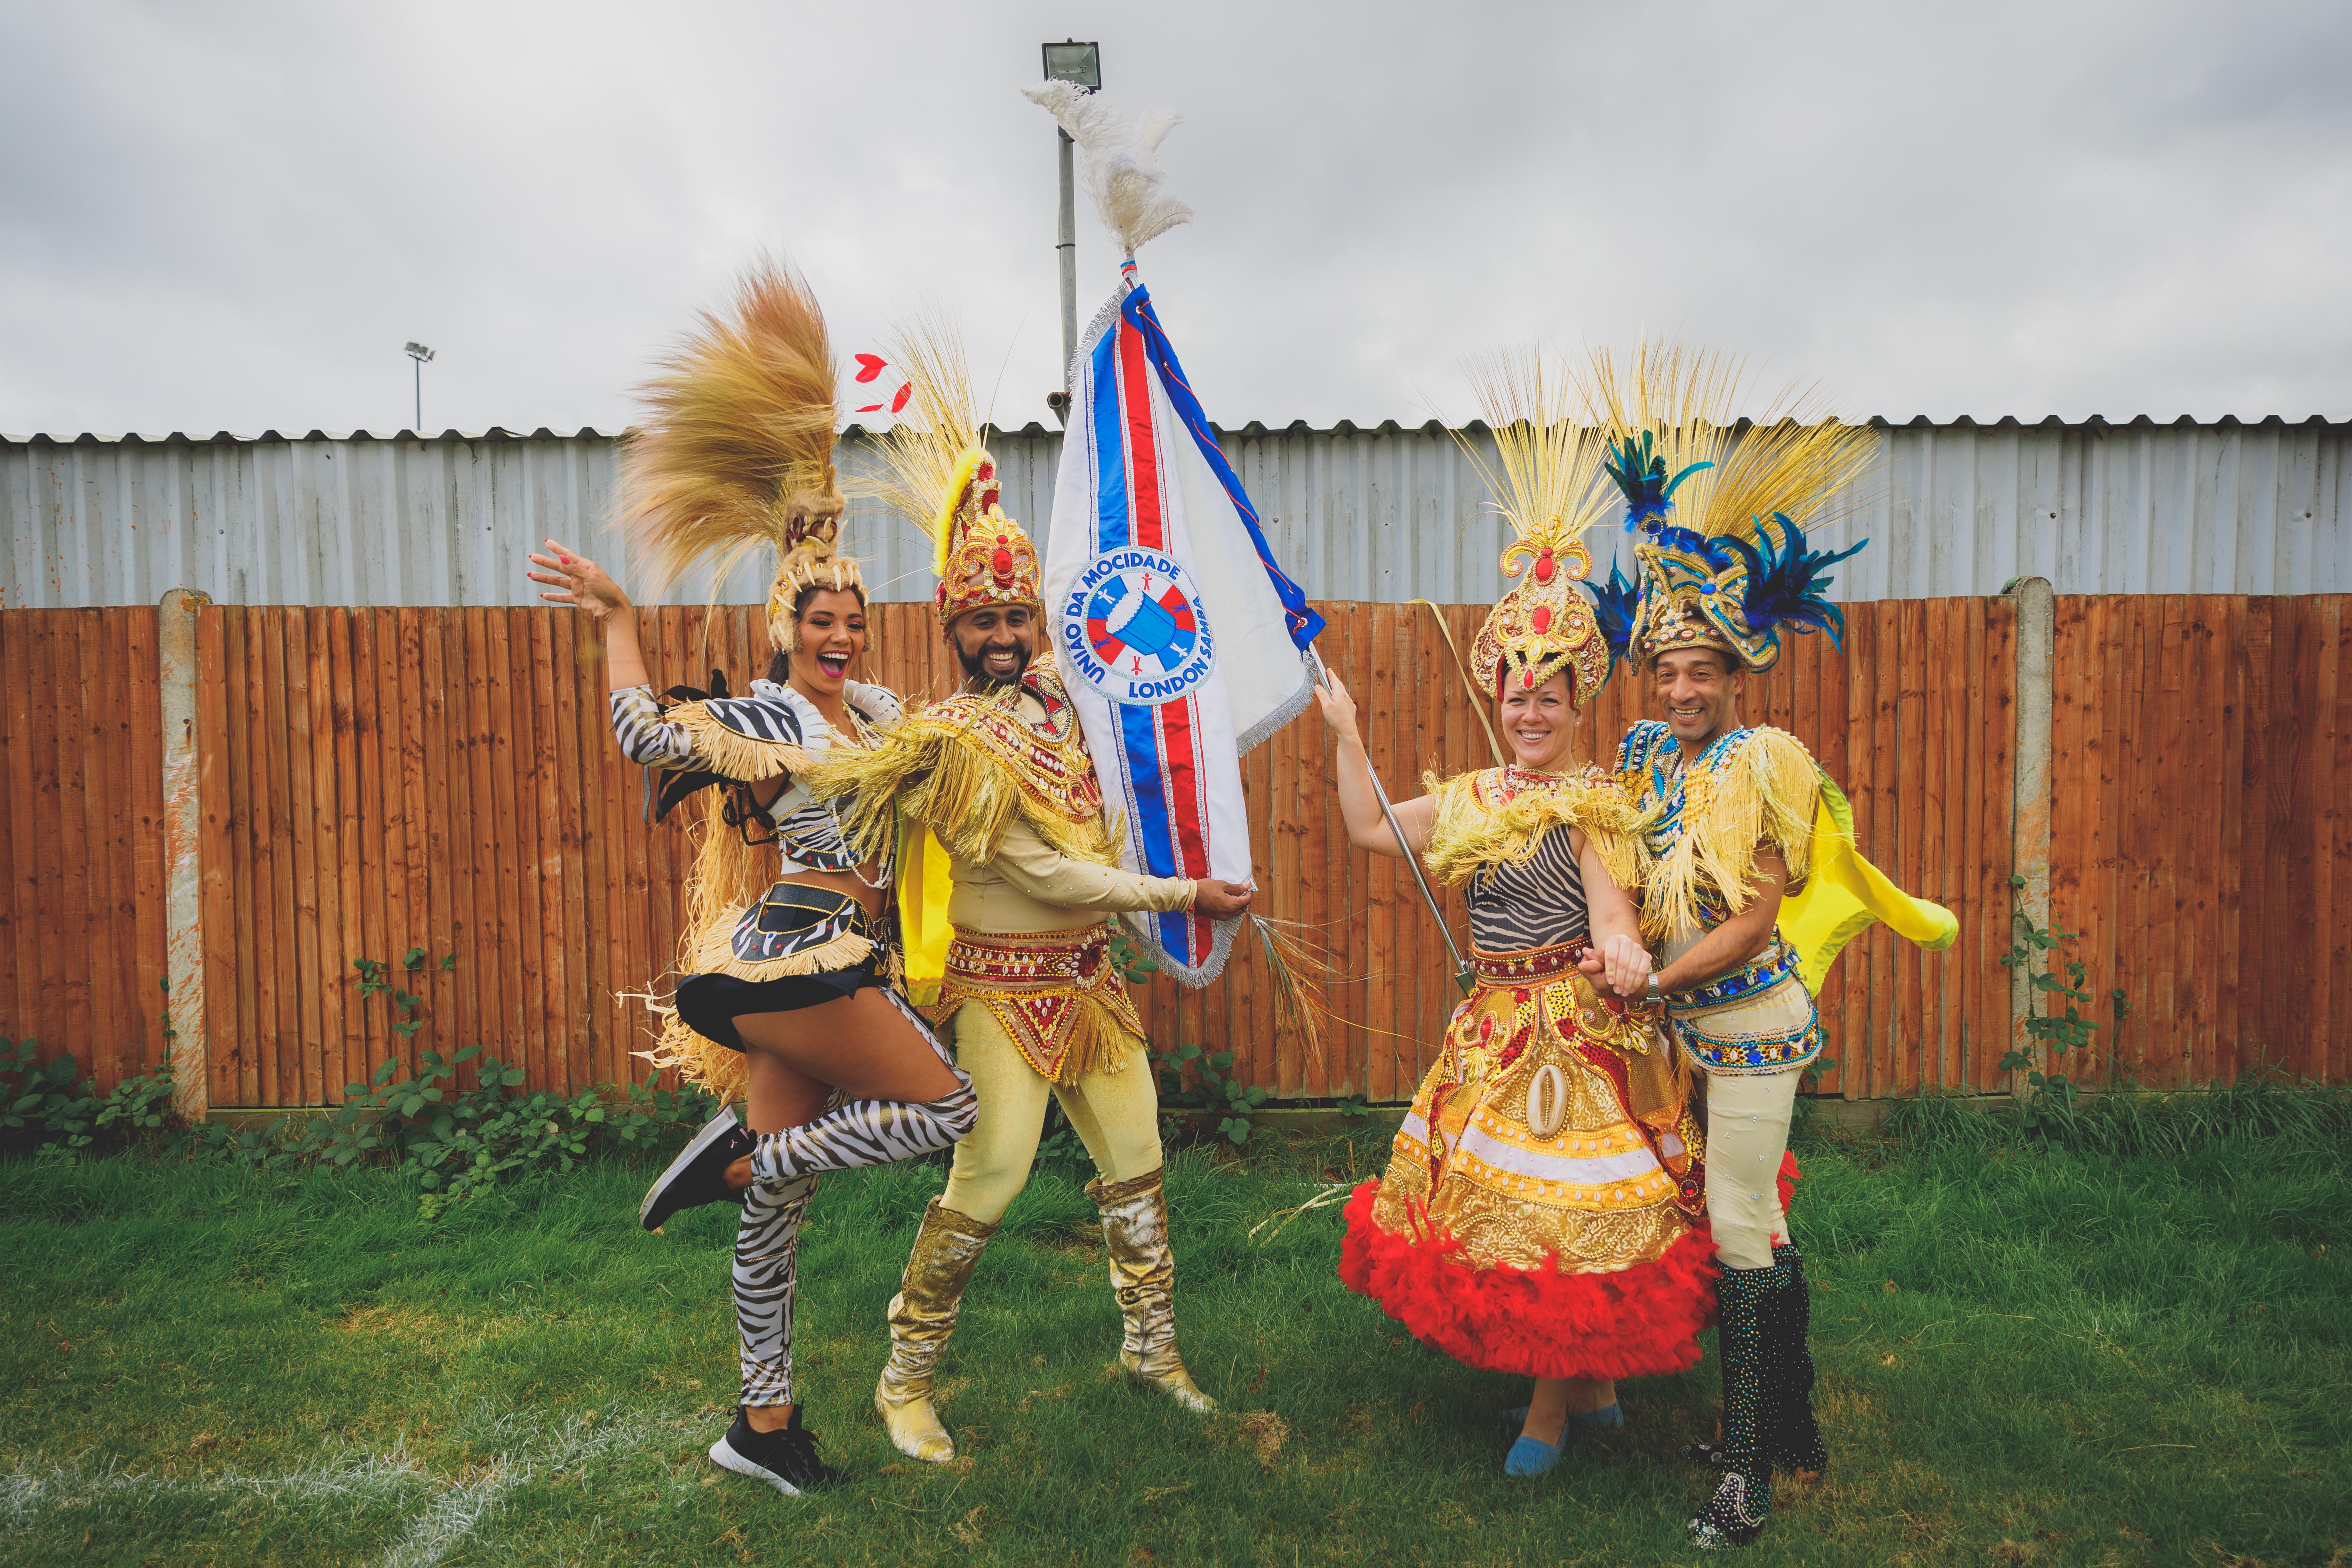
975 665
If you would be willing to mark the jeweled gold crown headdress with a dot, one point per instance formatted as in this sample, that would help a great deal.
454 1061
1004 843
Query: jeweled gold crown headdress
736 454
1543 479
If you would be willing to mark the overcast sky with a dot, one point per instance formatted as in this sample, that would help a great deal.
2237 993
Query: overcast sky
231 217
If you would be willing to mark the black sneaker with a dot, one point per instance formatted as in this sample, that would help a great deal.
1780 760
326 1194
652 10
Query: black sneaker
785 1460
699 1174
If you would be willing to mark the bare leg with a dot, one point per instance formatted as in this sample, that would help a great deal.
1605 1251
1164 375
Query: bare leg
1557 1398
861 1045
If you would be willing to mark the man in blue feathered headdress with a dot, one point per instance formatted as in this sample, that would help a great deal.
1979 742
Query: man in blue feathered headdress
1752 884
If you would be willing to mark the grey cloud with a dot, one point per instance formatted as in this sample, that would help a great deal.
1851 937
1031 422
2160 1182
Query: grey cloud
233 215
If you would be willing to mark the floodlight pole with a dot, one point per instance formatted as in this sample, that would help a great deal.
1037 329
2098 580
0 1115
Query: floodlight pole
418 365
1069 254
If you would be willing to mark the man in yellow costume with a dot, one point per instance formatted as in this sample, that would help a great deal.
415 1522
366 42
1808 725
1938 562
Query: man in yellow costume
999 777
1752 883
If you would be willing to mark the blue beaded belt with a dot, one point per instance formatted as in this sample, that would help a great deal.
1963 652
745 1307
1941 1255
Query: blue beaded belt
1756 975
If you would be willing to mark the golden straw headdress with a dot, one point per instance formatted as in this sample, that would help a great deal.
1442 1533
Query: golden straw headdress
736 455
1720 505
1543 478
935 470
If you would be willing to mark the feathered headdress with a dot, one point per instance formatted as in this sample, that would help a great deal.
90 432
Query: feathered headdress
935 471
736 453
1720 509
1543 479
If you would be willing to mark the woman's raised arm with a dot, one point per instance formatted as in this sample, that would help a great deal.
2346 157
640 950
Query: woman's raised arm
1360 804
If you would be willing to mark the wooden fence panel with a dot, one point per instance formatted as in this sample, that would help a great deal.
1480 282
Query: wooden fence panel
81 831
375 781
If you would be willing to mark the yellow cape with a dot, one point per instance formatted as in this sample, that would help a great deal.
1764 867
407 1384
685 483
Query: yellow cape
1845 893
926 881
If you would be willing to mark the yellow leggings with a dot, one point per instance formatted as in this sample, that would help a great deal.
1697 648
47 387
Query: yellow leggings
1117 1115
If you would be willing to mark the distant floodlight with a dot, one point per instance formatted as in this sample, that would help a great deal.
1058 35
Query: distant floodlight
420 353
1078 64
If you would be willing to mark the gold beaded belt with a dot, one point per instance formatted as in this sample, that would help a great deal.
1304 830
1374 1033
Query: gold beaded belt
1534 966
1054 992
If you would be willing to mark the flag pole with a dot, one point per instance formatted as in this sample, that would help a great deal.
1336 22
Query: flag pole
1463 976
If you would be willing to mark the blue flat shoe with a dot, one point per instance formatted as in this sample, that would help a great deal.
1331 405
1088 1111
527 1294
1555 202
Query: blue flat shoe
1608 1418
1531 1456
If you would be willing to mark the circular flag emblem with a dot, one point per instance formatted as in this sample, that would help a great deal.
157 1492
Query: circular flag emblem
1133 631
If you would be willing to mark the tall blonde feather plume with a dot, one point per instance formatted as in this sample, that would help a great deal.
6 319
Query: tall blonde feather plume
1548 454
736 452
1795 456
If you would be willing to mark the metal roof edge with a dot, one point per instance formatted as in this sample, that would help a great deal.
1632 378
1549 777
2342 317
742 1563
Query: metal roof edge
1254 430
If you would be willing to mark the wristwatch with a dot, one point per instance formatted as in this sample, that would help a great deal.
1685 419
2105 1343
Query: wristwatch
1657 996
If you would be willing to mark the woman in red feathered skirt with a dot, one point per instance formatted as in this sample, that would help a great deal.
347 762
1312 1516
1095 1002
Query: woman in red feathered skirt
1544 1210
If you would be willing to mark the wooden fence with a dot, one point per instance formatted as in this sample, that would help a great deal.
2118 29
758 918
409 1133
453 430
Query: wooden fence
372 782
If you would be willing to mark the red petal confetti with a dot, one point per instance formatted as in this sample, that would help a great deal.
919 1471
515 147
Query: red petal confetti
900 402
871 408
869 366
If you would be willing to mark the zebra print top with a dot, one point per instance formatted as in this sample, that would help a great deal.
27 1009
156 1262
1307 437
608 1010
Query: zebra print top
807 834
1538 904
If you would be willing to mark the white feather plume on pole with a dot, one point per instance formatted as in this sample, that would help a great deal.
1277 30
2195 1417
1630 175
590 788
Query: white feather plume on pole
1118 165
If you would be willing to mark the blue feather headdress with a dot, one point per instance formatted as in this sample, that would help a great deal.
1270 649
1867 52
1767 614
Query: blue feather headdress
1640 474
1785 581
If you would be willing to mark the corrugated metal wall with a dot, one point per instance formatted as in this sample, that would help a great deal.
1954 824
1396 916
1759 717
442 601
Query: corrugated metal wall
1387 514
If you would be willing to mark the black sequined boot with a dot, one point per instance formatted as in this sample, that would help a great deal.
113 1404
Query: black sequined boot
1792 1441
1735 1515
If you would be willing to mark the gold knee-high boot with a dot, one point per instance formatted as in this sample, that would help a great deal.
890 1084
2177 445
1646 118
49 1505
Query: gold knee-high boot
1143 1274
922 1316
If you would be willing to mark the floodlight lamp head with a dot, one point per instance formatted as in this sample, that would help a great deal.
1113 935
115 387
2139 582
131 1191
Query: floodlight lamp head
420 353
1078 64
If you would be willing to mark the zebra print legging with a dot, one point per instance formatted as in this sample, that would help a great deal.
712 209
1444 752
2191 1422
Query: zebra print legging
767 1267
865 1133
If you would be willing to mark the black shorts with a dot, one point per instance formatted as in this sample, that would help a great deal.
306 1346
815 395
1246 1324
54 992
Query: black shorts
709 1004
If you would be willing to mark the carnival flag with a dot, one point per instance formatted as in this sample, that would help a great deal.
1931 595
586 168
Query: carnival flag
1182 641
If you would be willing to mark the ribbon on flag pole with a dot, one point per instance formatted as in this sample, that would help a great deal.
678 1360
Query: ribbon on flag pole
1183 641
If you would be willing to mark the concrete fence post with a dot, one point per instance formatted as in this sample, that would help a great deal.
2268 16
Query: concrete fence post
182 832
2037 636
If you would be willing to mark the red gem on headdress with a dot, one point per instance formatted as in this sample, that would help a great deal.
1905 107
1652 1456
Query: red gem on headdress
1541 619
1527 677
1001 563
1543 570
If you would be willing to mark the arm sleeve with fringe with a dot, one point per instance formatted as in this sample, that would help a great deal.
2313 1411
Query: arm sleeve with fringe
1764 792
1039 871
743 738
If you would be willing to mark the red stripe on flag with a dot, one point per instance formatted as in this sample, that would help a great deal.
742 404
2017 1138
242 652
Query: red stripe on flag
1144 525
1179 777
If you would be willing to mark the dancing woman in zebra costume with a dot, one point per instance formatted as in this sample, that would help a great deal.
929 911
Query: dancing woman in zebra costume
791 993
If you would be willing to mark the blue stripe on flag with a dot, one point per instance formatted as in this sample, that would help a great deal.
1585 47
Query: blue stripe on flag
1110 449
1140 736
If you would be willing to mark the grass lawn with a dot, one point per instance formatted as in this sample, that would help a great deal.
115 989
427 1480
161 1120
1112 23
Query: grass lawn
2026 1358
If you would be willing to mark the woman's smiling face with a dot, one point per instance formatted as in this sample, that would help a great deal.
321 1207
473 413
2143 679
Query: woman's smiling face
1538 721
833 634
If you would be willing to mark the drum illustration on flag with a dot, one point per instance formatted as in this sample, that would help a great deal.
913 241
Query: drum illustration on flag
1133 630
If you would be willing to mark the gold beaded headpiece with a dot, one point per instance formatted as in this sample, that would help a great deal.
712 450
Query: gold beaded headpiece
1543 482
